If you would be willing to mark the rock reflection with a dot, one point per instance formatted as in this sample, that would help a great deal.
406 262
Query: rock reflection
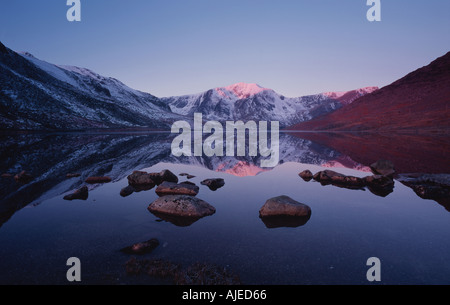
378 185
275 222
429 187
44 160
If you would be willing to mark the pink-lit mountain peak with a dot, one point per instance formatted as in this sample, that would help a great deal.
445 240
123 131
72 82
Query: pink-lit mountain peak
348 97
337 95
241 90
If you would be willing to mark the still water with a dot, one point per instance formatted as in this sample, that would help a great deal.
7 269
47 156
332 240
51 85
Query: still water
39 230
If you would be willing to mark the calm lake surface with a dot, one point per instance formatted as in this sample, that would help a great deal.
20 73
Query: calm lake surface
39 230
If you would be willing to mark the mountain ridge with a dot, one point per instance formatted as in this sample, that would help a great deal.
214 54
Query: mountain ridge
419 101
242 101
36 95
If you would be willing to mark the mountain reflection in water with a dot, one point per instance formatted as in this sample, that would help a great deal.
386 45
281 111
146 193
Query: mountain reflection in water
50 157
348 224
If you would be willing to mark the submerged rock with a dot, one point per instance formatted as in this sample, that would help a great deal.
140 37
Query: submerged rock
306 175
138 178
328 176
127 191
80 194
196 274
23 177
181 206
379 181
213 184
97 180
340 180
167 175
155 267
171 188
380 185
142 248
383 168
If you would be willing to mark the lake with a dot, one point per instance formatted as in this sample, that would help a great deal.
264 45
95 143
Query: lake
409 233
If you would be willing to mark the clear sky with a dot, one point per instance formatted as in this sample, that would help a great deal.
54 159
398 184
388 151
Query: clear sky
176 47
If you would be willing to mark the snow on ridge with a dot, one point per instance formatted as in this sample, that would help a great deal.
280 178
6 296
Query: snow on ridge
51 69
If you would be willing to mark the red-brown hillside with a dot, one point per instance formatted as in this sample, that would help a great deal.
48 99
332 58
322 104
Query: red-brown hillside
419 101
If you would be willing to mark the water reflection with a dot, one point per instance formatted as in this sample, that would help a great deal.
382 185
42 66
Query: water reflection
52 158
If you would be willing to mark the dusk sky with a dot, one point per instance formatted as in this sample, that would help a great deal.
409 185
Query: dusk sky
296 47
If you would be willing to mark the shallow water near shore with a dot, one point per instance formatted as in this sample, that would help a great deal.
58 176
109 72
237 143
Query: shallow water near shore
39 230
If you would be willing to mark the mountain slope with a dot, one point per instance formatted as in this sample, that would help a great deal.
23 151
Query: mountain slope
38 95
418 101
252 102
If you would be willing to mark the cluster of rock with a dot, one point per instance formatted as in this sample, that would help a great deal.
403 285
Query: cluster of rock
83 192
429 186
381 183
142 181
177 203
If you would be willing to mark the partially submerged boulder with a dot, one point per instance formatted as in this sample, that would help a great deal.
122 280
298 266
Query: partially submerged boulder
331 177
284 206
284 211
171 188
306 175
127 191
139 178
141 248
80 194
181 206
168 176
383 168
214 184
158 178
379 181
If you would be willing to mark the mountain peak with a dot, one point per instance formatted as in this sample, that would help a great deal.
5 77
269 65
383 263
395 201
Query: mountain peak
242 90
337 95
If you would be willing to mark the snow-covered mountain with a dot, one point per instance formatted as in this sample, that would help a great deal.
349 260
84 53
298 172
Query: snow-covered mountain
244 101
35 94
